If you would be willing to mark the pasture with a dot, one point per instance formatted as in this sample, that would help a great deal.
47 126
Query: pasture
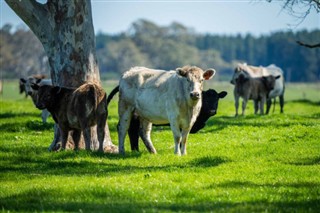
245 164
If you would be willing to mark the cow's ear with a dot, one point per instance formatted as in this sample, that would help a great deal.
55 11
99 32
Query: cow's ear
38 80
181 71
209 73
277 77
35 86
223 94
23 80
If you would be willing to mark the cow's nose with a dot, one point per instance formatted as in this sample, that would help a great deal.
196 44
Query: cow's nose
195 95
29 93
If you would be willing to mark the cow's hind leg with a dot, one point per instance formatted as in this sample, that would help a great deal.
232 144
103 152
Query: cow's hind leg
87 137
125 114
76 138
281 97
64 137
145 132
101 130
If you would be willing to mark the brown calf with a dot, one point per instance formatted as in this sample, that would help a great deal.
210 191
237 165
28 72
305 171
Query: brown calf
75 109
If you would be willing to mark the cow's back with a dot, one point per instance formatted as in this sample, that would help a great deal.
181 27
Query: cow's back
154 94
88 101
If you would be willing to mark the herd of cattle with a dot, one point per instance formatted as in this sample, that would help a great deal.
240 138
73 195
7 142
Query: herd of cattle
150 97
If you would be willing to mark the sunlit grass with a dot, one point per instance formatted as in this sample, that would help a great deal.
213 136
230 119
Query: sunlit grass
244 164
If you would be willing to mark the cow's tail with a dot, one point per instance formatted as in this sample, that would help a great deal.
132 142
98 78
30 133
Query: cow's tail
112 93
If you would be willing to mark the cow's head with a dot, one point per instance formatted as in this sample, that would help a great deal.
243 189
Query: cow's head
45 95
194 77
241 69
241 78
210 100
26 83
269 82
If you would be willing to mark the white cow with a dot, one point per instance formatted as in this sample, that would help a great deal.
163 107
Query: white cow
28 89
161 97
256 72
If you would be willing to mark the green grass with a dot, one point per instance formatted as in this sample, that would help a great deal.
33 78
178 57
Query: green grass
244 164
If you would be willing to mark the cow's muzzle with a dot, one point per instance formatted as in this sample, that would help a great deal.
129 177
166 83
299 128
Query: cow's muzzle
195 95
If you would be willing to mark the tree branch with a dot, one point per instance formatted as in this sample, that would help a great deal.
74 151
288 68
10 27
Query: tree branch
31 12
308 45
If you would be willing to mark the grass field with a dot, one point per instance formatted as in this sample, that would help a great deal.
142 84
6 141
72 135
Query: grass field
244 164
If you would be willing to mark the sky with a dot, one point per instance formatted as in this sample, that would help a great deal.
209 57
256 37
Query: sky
227 17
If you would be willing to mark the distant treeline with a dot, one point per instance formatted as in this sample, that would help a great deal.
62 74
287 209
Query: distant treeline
168 47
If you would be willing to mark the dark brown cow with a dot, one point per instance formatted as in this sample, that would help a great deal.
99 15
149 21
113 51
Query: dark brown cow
75 109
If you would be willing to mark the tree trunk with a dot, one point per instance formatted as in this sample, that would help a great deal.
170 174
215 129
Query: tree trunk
66 32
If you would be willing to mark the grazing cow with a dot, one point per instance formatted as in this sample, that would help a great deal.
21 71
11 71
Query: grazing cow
161 97
33 94
75 109
210 99
254 71
256 89
25 83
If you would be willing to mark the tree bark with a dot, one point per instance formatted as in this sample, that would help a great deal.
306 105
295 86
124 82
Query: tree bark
65 29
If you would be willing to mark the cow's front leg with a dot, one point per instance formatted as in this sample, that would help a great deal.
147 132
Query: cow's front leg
64 137
256 106
133 132
44 115
56 137
236 102
262 102
184 139
145 134
244 105
177 137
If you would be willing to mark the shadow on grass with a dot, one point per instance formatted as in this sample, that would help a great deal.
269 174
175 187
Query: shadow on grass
70 163
104 200
18 115
307 162
306 101
26 126
247 184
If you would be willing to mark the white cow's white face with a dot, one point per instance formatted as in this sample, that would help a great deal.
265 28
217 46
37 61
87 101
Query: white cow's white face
194 78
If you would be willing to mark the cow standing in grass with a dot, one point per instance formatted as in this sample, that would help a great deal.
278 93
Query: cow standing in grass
209 107
161 97
253 71
256 89
75 109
